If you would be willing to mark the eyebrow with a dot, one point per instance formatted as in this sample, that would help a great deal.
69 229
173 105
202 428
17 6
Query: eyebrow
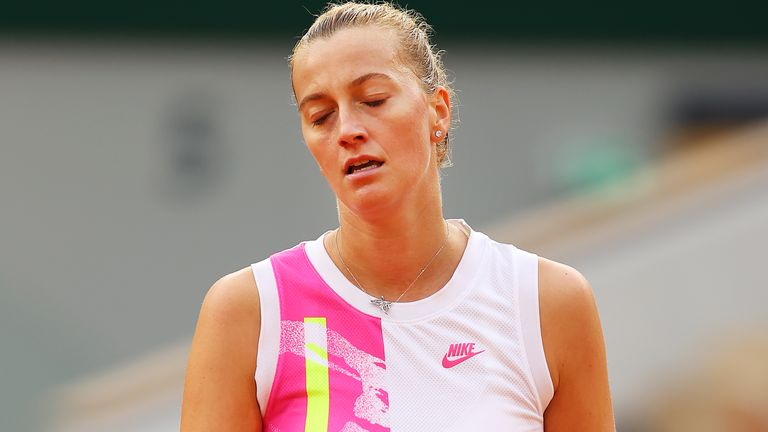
355 82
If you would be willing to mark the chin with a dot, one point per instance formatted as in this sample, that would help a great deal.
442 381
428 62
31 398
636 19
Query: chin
370 202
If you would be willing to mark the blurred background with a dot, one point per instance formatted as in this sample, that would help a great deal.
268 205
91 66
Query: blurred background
148 148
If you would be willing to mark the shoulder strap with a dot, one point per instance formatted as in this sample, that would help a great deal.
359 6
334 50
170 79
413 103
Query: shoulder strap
269 335
527 275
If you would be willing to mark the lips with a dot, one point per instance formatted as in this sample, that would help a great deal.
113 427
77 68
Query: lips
362 163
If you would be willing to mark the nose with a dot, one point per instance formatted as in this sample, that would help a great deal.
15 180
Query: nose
351 128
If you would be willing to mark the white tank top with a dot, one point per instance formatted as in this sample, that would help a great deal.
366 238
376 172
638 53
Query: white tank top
468 357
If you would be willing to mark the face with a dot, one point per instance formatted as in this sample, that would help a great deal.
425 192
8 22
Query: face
367 120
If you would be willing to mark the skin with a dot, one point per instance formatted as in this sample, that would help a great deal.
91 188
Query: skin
357 101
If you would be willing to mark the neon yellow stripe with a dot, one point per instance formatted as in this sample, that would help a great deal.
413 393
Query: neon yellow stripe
316 358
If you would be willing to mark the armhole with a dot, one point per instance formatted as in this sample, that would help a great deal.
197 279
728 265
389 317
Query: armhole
269 335
530 320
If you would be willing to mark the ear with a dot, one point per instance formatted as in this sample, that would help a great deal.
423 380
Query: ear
441 109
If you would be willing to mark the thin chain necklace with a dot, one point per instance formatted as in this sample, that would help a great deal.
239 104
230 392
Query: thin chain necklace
380 302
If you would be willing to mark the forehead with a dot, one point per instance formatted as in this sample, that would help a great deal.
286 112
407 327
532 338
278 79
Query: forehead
344 56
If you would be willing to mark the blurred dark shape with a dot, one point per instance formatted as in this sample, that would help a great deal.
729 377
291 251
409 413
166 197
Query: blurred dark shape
728 107
193 141
710 111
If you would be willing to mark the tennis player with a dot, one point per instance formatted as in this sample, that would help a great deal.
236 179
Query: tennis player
397 320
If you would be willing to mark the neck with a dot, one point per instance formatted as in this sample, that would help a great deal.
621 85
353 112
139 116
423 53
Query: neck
385 256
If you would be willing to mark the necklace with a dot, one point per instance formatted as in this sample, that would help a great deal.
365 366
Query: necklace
381 302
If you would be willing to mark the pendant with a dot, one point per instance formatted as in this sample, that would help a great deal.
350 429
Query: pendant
382 304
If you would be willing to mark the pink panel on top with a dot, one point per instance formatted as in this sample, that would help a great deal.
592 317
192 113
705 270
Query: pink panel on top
358 397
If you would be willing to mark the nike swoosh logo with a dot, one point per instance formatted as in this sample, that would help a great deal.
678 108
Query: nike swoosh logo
451 363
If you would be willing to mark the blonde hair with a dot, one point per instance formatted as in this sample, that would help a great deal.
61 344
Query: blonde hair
416 50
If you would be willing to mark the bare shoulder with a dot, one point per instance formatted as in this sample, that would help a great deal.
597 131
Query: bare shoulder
231 315
233 299
219 386
565 299
575 351
562 283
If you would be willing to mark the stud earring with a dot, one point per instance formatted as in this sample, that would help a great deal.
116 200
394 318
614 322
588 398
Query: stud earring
438 133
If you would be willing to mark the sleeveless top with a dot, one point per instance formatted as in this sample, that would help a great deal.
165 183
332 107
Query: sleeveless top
467 358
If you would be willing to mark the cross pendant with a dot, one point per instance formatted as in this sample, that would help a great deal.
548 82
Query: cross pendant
382 304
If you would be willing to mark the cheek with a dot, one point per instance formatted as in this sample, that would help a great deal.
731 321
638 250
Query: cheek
320 152
415 125
419 117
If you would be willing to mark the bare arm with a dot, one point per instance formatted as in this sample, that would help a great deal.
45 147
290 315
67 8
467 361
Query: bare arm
575 351
219 387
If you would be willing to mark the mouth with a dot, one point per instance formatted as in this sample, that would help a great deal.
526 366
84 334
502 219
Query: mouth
363 165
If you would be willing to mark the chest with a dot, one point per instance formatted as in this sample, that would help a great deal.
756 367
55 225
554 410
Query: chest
449 373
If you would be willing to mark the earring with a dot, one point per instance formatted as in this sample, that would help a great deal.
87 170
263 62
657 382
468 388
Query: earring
438 133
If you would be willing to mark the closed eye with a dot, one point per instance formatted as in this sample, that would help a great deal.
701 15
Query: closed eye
375 103
321 120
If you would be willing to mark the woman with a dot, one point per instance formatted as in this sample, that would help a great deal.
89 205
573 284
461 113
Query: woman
397 320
